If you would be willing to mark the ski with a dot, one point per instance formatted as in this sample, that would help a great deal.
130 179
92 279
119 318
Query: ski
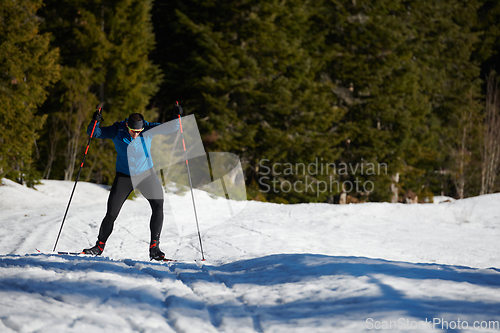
193 261
63 252
167 260
164 260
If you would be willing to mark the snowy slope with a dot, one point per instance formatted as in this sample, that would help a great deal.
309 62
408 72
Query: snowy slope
272 268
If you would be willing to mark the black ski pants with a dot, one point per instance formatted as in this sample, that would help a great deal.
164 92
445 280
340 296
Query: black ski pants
122 186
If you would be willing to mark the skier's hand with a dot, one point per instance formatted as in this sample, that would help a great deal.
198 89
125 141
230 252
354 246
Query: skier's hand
177 111
97 116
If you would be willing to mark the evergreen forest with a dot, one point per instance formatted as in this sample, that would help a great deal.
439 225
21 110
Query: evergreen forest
385 100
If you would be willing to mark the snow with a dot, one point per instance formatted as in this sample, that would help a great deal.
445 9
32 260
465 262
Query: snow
272 268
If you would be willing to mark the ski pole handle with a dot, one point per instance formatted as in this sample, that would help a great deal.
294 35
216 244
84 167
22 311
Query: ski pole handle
90 138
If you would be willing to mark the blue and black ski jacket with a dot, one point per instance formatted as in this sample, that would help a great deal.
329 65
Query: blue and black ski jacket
133 155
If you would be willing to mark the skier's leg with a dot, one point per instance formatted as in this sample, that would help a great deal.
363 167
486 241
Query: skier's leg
122 187
153 191
156 223
156 226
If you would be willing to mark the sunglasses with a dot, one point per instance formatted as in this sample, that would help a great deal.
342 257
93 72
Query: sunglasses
135 130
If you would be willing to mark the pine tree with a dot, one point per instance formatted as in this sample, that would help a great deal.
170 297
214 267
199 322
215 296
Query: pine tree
488 55
258 91
380 83
28 65
104 56
407 80
405 87
488 25
455 83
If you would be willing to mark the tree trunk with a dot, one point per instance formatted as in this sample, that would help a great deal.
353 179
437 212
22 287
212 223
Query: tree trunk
52 150
74 126
491 137
394 188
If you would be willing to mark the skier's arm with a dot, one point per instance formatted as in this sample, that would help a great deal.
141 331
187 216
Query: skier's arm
168 127
108 132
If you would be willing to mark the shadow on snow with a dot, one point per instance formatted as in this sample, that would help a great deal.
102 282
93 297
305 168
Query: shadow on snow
270 273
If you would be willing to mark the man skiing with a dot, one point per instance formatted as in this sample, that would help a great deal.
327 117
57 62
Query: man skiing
128 136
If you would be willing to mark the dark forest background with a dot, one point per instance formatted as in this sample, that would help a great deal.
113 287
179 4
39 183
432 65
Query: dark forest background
411 85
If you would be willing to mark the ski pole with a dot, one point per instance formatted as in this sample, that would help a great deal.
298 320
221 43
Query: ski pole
74 186
191 186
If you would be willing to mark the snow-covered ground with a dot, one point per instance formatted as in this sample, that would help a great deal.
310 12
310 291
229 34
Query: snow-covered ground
272 268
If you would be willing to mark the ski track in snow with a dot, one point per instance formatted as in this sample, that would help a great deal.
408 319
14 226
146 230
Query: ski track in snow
272 268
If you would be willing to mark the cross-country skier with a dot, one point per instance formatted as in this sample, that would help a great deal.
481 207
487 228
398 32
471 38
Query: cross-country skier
124 134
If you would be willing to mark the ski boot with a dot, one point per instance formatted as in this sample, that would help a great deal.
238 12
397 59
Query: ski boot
95 250
155 252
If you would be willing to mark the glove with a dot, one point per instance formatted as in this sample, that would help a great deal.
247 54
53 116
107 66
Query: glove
177 111
97 116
